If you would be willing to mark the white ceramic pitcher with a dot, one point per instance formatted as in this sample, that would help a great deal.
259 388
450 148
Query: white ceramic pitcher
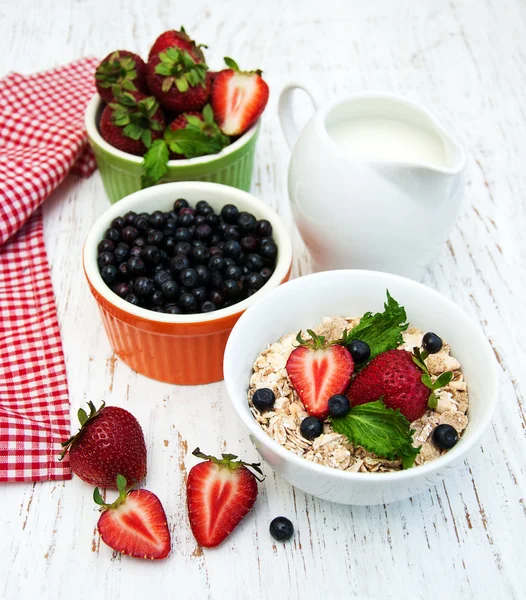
359 213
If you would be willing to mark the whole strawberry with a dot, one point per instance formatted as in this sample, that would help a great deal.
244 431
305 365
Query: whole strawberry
179 39
124 69
393 377
109 442
132 122
178 81
317 371
219 493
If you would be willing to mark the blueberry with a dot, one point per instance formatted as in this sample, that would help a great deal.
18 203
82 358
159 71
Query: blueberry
339 405
249 243
187 210
263 399
183 248
445 437
264 228
189 278
216 280
106 246
118 223
200 254
160 277
266 273
188 302
151 255
170 245
215 239
216 263
121 254
199 220
182 234
212 220
200 294
254 262
229 213
215 251
135 265
109 274
141 223
170 227
359 350
231 232
123 270
133 299
136 251
233 272
231 289
265 240
246 222
157 219
106 258
186 220
196 243
281 529
432 343
180 203
155 237
179 263
172 309
143 287
170 289
311 428
123 289
129 217
140 241
112 234
203 208
233 249
254 281
269 251
203 232
157 298
203 273
217 298
208 306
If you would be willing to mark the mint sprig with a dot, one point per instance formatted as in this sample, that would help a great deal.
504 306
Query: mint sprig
419 358
380 430
380 331
154 164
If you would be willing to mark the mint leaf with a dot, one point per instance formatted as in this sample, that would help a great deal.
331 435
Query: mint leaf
378 429
190 142
155 163
432 401
426 380
443 380
380 331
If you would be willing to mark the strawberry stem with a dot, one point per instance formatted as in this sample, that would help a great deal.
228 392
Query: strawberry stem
122 487
229 461
83 419
317 342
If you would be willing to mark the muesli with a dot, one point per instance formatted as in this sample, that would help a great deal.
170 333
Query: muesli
368 393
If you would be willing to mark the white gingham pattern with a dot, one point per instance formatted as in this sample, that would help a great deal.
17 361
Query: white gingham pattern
42 139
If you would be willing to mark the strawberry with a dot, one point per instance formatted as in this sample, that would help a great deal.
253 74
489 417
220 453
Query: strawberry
135 524
179 82
110 441
317 371
393 377
219 493
132 122
238 98
124 69
179 39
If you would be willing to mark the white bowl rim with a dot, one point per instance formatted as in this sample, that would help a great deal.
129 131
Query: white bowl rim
93 132
458 451
279 233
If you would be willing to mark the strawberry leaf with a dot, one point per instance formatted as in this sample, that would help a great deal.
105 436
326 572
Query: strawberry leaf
378 429
133 131
155 163
97 497
231 63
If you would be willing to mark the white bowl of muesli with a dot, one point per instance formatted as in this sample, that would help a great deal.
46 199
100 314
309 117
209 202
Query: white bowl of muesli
360 387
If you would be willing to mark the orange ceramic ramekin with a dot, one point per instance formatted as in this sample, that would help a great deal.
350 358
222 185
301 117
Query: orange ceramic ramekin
182 349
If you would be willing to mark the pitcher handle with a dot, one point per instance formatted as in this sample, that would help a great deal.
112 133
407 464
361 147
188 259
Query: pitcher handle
286 118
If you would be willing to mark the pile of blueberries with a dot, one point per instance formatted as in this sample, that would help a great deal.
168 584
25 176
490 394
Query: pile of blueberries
187 260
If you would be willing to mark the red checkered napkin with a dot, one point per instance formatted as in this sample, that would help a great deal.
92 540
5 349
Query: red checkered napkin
42 139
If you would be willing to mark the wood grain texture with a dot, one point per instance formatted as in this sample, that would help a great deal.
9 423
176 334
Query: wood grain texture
466 61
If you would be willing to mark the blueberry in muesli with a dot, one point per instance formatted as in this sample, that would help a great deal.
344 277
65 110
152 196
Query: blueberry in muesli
189 259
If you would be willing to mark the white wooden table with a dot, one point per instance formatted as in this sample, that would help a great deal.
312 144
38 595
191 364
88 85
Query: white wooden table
466 60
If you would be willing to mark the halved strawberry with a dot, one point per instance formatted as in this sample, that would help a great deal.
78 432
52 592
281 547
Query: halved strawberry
238 98
219 493
318 371
135 524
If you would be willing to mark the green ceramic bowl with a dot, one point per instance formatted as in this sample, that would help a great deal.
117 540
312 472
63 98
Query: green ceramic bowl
121 172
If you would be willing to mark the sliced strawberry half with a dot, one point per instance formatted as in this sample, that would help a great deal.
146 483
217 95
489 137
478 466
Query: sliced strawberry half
238 98
135 524
219 492
318 371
